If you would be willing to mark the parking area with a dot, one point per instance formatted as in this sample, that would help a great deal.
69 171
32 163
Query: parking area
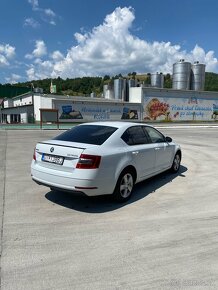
165 237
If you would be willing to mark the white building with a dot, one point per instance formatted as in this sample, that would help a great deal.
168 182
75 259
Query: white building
26 108
175 105
18 109
145 104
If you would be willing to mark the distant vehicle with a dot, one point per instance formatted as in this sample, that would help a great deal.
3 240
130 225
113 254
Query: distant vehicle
104 158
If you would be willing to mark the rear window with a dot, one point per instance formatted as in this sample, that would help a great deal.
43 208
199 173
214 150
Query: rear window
90 134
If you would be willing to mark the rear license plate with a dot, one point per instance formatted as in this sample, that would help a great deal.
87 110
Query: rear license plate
53 159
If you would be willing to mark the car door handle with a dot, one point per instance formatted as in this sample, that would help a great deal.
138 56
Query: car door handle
135 152
157 148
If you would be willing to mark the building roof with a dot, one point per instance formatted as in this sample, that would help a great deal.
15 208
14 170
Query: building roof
80 98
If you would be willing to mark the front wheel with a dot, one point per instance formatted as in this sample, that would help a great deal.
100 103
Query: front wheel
124 186
176 163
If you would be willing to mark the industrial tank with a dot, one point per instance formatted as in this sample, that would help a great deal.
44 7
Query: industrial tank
181 75
38 90
157 80
93 95
197 76
120 89
108 91
109 94
130 84
105 88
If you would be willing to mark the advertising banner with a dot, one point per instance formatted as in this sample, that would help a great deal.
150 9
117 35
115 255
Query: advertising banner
179 109
85 111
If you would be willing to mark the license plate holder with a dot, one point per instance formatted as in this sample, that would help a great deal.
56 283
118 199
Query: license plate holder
53 159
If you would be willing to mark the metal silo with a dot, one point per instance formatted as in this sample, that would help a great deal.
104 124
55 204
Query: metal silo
129 84
105 88
109 94
93 95
197 76
157 80
181 75
120 89
108 91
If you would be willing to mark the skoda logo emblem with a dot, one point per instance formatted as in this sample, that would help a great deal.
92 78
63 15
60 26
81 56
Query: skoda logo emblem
52 149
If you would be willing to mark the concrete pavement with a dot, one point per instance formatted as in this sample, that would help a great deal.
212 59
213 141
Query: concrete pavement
165 237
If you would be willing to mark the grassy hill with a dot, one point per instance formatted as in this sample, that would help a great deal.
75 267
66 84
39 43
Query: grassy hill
85 85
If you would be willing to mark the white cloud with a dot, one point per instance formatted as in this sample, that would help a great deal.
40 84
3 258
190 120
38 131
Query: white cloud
31 74
7 52
52 22
46 14
80 37
41 71
13 79
57 55
34 3
50 12
3 61
111 48
39 51
31 22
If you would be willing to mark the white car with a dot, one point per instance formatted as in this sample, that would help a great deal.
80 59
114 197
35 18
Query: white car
104 158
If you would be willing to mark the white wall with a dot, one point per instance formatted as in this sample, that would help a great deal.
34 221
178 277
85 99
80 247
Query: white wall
135 95
43 102
22 101
8 103
23 118
37 106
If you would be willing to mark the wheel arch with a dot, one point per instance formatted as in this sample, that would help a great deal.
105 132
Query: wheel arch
180 153
116 193
132 169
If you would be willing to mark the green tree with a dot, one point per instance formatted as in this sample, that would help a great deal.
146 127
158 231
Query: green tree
167 81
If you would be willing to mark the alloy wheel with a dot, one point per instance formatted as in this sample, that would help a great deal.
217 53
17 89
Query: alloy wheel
126 185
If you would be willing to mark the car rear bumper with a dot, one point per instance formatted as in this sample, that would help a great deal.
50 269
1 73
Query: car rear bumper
87 186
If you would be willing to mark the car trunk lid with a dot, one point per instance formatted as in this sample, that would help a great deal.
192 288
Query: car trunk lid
59 155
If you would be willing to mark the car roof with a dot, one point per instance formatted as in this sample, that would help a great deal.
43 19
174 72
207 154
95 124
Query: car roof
117 124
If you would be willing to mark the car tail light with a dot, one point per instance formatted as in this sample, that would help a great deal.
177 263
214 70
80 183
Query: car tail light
88 161
34 154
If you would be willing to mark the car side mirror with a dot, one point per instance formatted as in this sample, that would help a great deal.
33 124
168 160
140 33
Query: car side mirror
169 139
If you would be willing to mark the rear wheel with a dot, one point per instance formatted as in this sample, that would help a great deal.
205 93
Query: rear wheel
124 186
176 163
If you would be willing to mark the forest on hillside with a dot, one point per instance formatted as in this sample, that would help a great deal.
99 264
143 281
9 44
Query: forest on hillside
84 86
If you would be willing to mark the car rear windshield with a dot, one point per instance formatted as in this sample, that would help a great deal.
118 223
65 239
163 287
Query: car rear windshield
90 134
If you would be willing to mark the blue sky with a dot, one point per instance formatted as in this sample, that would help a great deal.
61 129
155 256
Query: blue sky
50 38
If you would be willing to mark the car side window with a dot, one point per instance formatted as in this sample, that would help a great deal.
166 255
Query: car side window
135 136
155 136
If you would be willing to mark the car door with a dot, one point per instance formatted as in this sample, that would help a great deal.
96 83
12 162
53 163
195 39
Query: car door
141 151
163 150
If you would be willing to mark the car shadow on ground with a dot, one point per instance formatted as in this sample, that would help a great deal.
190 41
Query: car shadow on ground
105 203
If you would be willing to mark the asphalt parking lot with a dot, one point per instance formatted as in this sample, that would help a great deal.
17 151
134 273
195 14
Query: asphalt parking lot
165 237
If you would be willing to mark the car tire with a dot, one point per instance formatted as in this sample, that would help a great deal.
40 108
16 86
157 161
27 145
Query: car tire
176 163
124 186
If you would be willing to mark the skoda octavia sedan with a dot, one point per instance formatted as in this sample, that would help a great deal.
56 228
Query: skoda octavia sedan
104 158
